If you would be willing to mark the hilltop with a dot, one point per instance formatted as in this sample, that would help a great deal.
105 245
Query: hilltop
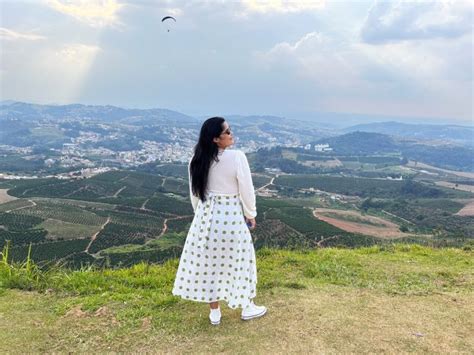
397 298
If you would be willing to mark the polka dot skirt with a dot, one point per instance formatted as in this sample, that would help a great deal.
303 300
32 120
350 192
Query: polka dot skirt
218 260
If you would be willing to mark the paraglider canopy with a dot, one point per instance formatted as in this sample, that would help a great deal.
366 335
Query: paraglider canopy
168 18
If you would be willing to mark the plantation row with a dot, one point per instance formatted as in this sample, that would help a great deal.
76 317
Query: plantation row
157 250
110 185
374 160
174 170
276 234
136 202
137 220
178 186
302 220
66 213
166 204
179 225
429 219
17 222
149 255
19 229
259 181
23 237
365 187
119 234
15 204
48 251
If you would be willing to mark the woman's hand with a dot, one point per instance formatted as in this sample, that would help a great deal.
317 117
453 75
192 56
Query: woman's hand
251 223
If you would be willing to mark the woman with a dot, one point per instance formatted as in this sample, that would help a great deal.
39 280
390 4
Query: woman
218 258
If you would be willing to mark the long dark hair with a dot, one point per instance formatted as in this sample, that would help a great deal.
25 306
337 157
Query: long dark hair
205 152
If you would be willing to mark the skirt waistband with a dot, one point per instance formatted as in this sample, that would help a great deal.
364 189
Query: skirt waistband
209 194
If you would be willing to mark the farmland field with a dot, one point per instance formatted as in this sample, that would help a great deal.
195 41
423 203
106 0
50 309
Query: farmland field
58 229
467 210
118 217
5 197
354 222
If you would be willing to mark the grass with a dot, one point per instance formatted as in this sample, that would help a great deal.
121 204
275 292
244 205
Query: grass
396 298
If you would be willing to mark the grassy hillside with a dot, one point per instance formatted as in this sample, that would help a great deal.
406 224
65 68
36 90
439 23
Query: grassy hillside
394 298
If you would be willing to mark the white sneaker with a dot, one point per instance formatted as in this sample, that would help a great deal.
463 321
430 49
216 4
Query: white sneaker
252 311
215 316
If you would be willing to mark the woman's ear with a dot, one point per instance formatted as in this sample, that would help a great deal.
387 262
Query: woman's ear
215 140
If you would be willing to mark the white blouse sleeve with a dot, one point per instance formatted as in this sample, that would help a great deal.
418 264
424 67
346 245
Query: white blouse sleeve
194 199
246 189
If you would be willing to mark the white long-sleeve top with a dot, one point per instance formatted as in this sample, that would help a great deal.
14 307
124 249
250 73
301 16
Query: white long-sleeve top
230 175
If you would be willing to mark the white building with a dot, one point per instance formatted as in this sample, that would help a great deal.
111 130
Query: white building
322 147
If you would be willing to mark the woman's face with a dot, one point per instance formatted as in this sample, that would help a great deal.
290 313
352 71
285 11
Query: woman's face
226 138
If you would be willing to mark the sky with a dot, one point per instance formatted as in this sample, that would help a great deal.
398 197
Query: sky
288 58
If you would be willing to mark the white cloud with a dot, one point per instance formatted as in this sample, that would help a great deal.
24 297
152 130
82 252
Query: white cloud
10 35
422 78
403 20
96 13
313 57
282 6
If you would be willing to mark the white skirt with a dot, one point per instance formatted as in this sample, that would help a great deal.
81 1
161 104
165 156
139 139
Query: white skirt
218 259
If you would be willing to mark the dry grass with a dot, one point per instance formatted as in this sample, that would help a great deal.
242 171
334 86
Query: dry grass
316 319
393 299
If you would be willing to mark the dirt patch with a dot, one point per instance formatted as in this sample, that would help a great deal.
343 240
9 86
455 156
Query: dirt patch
76 312
323 163
373 226
467 210
5 197
451 185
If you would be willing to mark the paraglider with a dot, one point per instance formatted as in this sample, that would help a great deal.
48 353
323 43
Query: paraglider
168 18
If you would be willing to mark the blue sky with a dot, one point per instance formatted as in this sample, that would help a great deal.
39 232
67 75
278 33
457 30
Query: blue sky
287 58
